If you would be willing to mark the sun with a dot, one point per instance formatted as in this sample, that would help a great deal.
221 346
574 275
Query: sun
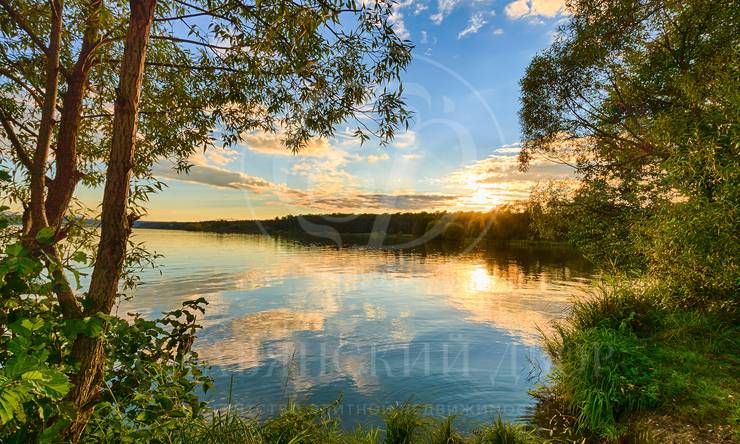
485 197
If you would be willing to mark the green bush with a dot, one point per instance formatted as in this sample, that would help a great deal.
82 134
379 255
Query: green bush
502 432
602 374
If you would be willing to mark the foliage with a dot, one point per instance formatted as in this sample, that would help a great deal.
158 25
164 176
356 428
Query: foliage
33 375
642 97
608 375
402 423
152 375
500 224
119 93
502 432
620 352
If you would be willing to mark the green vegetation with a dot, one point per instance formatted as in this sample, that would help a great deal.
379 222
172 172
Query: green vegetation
504 223
402 424
642 97
98 93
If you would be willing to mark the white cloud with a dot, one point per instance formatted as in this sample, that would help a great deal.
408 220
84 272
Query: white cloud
475 23
372 158
411 156
405 140
444 9
424 38
420 7
534 8
398 24
498 31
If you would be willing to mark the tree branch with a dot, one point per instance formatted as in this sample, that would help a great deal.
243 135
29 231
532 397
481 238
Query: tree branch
33 91
192 42
46 126
24 25
15 141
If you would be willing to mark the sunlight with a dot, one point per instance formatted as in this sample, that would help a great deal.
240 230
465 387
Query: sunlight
480 279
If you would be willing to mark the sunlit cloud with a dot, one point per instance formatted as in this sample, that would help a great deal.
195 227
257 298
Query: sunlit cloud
534 8
272 143
214 176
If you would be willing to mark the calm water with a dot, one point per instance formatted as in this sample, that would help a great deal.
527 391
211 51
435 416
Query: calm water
290 320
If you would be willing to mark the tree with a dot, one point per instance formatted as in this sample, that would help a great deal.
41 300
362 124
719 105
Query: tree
642 98
190 75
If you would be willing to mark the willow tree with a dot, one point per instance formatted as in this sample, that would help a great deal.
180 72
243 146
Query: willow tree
93 93
642 98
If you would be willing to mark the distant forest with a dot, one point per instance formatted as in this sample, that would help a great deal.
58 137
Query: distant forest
505 223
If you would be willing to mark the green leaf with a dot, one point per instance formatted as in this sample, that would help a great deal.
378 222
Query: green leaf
45 236
80 256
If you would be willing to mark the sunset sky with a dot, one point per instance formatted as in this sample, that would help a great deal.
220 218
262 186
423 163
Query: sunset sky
459 153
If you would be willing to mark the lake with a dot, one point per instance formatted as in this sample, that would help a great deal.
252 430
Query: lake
457 332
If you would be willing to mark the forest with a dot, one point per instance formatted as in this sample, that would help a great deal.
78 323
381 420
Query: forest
501 224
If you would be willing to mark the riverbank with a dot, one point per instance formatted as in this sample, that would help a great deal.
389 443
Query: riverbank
402 424
628 364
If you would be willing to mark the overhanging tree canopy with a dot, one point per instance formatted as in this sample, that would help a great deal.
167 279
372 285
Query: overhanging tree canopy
96 92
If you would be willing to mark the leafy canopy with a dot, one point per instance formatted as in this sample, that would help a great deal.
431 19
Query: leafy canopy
643 98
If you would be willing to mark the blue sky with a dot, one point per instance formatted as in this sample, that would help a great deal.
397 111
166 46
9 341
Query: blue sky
460 150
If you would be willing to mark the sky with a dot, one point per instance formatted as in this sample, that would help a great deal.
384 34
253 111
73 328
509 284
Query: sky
459 152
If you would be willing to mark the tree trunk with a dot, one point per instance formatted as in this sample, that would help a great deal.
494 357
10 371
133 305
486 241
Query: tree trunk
115 228
65 180
46 126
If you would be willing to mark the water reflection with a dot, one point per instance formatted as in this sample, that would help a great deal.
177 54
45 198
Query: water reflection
288 319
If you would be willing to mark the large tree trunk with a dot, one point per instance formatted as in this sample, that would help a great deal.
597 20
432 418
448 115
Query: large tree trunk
115 228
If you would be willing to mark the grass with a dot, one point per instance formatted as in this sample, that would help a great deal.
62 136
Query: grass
623 356
402 424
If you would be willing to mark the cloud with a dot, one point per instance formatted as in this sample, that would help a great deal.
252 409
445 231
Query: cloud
215 156
498 168
497 180
498 31
411 156
372 158
398 24
424 38
514 148
444 9
216 177
405 140
534 8
383 201
272 143
475 23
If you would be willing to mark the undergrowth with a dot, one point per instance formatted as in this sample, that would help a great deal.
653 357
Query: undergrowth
402 424
623 351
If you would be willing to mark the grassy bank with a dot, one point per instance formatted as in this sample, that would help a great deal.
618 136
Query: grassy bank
629 366
402 424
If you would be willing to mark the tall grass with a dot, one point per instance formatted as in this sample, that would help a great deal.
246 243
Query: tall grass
402 424
623 350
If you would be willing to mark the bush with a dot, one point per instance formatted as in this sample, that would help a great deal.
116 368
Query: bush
602 369
502 432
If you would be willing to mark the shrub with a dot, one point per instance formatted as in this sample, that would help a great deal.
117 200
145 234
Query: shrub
602 375
502 432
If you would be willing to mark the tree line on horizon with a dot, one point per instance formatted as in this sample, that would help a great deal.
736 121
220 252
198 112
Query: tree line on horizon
504 223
